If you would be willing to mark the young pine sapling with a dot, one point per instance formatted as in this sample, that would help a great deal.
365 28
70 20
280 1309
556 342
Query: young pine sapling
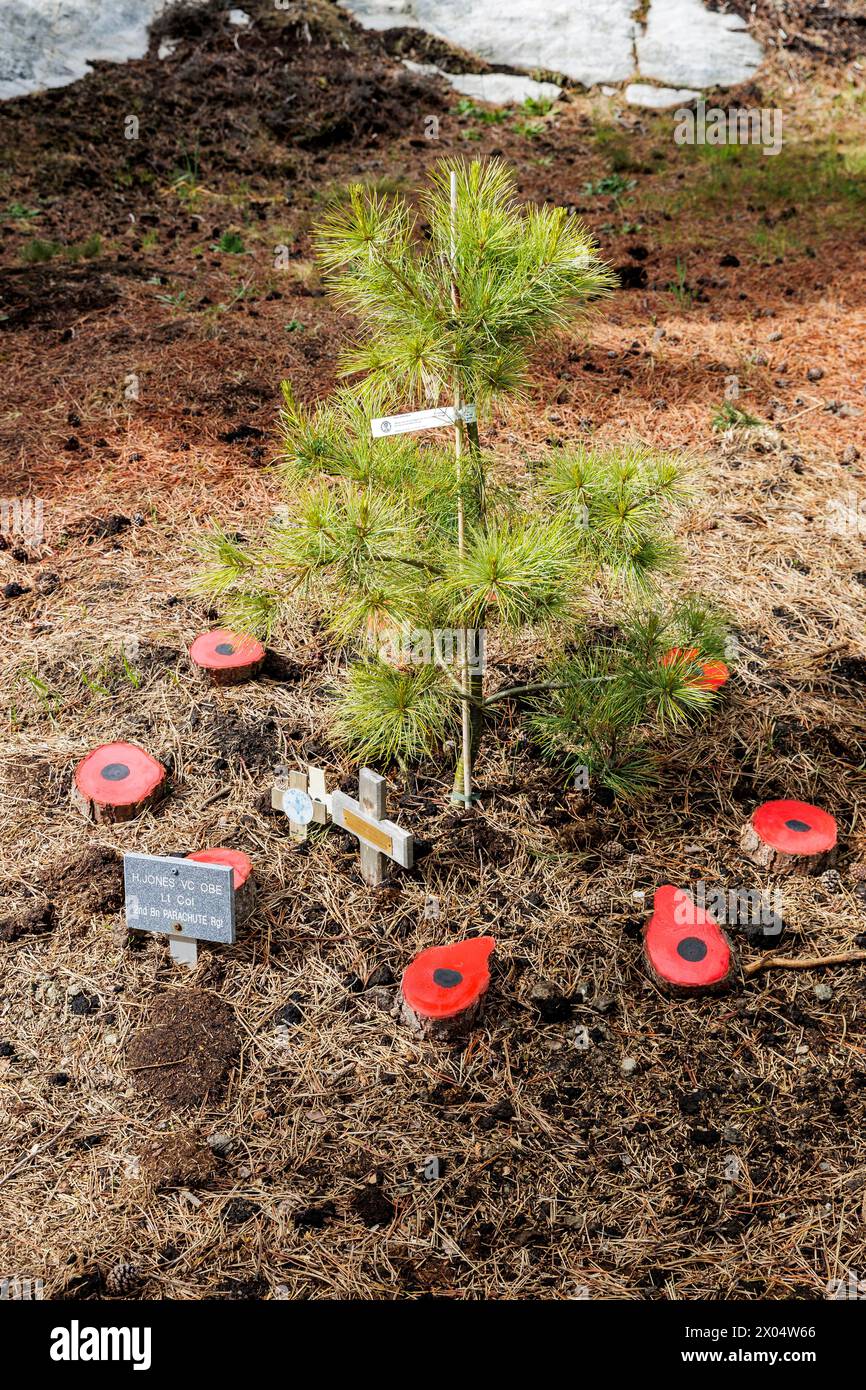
398 540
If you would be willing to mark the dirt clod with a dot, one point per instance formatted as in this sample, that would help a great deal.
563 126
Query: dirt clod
186 1049
86 883
178 1159
372 1206
31 920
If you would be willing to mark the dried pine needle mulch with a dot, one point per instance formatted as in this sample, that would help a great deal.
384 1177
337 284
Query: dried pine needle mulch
728 1161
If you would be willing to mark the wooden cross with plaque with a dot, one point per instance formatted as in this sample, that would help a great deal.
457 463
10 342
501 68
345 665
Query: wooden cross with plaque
380 839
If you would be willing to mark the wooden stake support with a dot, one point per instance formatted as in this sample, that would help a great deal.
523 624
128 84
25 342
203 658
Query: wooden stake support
116 782
685 949
444 987
790 837
380 839
184 950
227 658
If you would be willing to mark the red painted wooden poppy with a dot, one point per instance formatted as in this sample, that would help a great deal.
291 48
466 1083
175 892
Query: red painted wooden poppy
227 657
240 863
242 874
118 781
795 827
686 949
446 984
713 673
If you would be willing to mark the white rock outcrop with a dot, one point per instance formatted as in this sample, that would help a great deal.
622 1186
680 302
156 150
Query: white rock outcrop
687 45
47 43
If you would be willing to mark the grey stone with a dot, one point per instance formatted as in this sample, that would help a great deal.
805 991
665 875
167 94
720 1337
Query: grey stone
658 98
48 43
590 41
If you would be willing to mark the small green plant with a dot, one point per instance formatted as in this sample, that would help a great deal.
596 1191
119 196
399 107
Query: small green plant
19 213
615 148
230 243
85 250
294 326
176 300
609 186
730 416
94 683
186 180
538 106
411 552
36 251
48 699
530 130
487 115
680 288
132 674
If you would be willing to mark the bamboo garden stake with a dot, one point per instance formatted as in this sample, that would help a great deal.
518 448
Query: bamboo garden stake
466 712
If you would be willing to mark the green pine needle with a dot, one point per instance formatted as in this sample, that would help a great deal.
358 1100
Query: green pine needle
385 714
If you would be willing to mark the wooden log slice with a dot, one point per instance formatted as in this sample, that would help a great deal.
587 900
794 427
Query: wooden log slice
227 658
443 989
790 837
116 782
685 948
243 881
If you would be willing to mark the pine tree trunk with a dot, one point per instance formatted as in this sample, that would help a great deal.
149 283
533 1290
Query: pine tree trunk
476 690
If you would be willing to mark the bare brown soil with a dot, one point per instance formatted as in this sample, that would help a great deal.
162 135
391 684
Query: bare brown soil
140 385
185 1048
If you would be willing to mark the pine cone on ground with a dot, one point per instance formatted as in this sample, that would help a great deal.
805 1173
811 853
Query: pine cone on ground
122 1279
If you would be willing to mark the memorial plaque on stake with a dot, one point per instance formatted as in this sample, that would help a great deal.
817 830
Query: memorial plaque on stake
417 420
185 900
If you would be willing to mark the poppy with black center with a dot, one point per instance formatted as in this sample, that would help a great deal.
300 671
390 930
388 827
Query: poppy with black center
447 980
222 653
795 827
118 775
684 946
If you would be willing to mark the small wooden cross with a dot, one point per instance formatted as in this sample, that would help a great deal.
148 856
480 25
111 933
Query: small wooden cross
305 800
365 818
